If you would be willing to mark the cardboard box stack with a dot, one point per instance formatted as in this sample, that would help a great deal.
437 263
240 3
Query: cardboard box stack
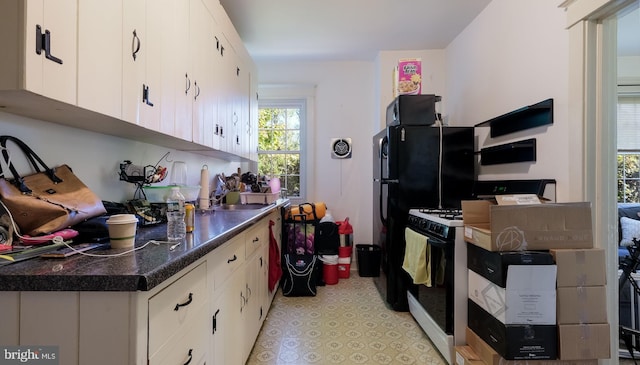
583 330
536 284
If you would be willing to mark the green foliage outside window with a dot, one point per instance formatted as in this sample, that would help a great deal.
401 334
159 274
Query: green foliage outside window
279 146
628 175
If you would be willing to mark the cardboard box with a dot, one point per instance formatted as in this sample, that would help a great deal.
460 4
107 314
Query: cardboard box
409 77
529 296
583 304
490 357
466 356
527 227
493 265
513 341
580 267
584 341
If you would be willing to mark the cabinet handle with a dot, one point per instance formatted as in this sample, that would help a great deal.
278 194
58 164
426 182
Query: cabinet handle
189 300
195 84
256 239
190 357
234 258
217 42
243 301
135 45
47 48
237 71
188 81
248 293
145 95
222 51
43 42
38 39
214 319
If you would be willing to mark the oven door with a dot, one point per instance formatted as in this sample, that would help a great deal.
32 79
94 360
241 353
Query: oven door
437 299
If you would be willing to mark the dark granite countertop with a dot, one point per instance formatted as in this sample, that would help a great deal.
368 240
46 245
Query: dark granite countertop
140 270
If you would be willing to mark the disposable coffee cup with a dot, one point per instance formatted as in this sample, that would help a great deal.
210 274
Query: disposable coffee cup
122 230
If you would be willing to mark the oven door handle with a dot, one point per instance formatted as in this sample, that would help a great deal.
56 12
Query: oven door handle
432 240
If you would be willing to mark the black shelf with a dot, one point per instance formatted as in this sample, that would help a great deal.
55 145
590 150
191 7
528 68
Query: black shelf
531 116
520 151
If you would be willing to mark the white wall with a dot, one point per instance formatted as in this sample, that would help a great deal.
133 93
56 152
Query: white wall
345 106
515 53
95 157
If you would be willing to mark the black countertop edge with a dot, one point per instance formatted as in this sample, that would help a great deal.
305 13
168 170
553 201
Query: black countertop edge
141 271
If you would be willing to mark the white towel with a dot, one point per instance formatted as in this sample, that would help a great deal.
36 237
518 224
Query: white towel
417 257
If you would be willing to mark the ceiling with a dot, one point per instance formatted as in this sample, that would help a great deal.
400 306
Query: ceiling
347 29
359 29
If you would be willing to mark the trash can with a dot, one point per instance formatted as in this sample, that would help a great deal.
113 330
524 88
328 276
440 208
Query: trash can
368 260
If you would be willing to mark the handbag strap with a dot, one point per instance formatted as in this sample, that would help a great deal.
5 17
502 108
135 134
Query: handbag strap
313 209
36 162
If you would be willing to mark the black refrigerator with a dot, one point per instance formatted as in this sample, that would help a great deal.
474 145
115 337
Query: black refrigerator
414 166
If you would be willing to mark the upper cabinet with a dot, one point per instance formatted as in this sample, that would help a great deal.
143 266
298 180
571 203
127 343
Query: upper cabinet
38 40
169 72
100 56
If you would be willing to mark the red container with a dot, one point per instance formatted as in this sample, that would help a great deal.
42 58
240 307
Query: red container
344 266
344 251
330 273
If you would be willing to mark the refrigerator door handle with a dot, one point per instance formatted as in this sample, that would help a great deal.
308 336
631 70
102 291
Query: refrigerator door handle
389 181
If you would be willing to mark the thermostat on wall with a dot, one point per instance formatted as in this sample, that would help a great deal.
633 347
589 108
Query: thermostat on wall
341 148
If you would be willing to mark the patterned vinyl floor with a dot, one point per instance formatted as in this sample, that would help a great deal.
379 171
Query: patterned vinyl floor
346 323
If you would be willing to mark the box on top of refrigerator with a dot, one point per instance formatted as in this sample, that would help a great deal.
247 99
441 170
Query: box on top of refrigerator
408 77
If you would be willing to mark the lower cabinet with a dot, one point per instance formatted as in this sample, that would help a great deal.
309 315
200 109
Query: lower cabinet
240 299
209 313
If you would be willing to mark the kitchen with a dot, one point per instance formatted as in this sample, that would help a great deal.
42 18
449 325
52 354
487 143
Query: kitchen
516 60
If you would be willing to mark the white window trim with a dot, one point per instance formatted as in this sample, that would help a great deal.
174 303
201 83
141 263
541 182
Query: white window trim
592 100
274 93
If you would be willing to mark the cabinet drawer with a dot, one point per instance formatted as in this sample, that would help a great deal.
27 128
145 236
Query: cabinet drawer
228 260
176 305
255 237
189 346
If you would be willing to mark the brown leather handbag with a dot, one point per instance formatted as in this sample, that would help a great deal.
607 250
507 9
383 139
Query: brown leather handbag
48 200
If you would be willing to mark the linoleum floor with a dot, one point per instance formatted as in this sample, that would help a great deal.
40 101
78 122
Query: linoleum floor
346 323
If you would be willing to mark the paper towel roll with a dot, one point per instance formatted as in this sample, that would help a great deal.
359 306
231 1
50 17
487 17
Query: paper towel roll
203 198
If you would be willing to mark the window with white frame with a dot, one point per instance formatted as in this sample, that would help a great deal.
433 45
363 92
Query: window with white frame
281 143
628 173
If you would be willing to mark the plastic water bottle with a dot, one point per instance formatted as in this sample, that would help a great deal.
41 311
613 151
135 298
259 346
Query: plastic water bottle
176 227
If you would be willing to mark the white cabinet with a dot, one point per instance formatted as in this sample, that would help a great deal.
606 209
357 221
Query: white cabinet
228 303
141 68
240 295
204 66
100 56
38 40
168 72
209 312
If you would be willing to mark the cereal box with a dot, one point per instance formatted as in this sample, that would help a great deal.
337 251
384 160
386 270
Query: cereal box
409 76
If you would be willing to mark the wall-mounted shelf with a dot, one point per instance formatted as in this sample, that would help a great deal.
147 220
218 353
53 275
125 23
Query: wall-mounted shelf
531 116
520 151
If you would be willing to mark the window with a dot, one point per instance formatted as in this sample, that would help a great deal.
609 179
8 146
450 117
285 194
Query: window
628 148
280 142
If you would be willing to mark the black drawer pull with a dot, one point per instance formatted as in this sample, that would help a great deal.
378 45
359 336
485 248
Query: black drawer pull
256 239
185 303
234 258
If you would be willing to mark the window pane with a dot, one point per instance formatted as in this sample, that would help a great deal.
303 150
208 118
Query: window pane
279 143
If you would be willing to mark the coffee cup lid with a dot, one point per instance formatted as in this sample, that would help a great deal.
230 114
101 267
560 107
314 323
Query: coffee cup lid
122 219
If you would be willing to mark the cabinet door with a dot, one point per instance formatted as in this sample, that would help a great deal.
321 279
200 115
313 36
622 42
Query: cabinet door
255 291
202 54
100 56
228 333
252 122
134 55
51 74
